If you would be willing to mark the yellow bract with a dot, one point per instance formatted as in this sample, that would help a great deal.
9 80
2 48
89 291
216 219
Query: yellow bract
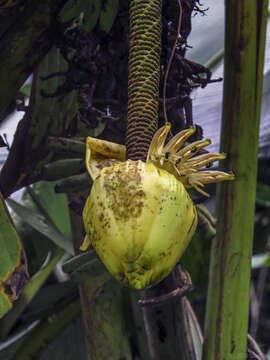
139 216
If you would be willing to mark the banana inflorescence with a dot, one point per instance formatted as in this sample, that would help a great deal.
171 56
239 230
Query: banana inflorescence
139 216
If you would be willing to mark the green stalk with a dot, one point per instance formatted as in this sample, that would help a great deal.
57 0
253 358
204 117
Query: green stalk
105 331
228 294
144 74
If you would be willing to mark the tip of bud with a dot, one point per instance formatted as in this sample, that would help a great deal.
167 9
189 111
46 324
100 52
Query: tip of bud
231 176
192 129
223 156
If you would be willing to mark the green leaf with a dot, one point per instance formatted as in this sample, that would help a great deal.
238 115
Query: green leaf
21 58
9 243
260 260
10 345
49 296
108 14
86 11
46 331
56 206
85 266
43 224
43 120
69 345
75 183
47 115
13 271
27 294
5 302
69 146
37 246
90 270
263 194
26 89
77 261
195 333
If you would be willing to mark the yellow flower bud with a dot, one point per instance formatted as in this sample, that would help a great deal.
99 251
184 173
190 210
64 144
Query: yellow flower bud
139 216
140 220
